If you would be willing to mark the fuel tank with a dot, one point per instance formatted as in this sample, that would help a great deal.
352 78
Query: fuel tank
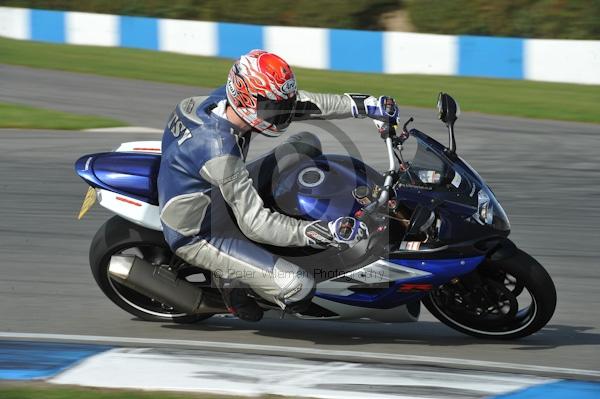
321 188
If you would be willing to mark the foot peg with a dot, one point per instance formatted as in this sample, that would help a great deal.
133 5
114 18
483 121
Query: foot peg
237 300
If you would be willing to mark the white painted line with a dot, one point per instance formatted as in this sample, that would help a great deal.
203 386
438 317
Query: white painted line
243 374
406 52
124 129
187 37
554 61
92 29
282 350
303 47
15 23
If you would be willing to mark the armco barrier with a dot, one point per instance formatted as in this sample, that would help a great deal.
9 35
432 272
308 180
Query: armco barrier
571 61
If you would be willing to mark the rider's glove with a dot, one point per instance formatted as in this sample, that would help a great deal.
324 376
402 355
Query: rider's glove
340 233
348 230
383 109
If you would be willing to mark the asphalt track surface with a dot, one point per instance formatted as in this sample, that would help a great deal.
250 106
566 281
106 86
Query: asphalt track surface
545 174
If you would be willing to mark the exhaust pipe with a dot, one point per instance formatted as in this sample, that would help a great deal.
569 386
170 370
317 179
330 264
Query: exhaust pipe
162 284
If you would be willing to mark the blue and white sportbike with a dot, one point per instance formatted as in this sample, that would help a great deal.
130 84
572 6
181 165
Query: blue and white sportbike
438 236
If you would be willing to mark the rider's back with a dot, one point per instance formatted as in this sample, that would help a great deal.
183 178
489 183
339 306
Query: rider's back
194 135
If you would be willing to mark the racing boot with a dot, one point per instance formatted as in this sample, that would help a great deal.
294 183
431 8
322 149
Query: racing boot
298 306
238 302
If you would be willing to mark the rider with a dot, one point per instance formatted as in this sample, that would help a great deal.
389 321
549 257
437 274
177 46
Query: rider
204 147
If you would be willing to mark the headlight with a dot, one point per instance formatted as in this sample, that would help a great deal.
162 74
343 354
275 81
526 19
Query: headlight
485 210
490 212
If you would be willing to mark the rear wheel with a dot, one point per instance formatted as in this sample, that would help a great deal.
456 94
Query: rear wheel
505 299
118 236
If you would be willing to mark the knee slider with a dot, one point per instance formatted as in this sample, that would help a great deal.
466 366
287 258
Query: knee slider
295 284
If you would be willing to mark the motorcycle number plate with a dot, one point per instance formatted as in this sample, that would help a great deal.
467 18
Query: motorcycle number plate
88 201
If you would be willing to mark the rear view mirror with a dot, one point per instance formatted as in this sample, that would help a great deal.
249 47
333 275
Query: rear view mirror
448 109
448 112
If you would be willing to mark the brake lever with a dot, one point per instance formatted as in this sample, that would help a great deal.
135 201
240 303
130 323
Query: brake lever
374 206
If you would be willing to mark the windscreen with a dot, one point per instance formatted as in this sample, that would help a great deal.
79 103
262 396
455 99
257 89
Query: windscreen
425 165
451 178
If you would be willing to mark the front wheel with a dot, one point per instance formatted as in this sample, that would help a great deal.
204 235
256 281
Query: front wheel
506 299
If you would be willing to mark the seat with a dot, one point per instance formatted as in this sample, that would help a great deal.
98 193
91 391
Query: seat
131 174
135 174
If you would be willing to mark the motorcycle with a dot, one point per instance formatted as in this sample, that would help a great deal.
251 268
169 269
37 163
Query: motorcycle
438 237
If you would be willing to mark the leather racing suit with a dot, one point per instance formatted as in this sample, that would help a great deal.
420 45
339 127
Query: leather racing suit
203 180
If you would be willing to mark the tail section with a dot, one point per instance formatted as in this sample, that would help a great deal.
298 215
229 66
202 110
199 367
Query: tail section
125 180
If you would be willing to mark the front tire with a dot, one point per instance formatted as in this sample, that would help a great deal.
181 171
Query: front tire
119 236
516 298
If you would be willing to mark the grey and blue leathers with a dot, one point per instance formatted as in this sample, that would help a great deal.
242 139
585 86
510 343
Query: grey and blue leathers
203 180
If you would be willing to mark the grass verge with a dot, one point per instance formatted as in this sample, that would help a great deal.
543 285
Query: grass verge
494 96
25 117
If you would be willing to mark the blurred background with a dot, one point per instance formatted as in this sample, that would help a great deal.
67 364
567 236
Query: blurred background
83 77
554 19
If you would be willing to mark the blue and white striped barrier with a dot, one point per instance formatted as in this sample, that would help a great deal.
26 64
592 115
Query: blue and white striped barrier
572 61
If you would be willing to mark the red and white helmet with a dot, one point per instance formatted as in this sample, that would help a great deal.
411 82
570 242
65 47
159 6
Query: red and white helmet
261 89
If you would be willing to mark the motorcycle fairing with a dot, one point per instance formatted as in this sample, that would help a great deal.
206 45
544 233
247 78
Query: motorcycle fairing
458 189
138 212
422 274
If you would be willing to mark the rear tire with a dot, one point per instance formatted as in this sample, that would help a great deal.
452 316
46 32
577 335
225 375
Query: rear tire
509 279
118 235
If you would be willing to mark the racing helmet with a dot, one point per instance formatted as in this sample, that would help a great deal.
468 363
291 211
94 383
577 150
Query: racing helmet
261 89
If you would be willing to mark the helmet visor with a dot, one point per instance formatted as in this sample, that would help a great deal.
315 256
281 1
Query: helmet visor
277 113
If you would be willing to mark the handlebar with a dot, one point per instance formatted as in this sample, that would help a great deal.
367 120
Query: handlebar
384 195
389 179
388 133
